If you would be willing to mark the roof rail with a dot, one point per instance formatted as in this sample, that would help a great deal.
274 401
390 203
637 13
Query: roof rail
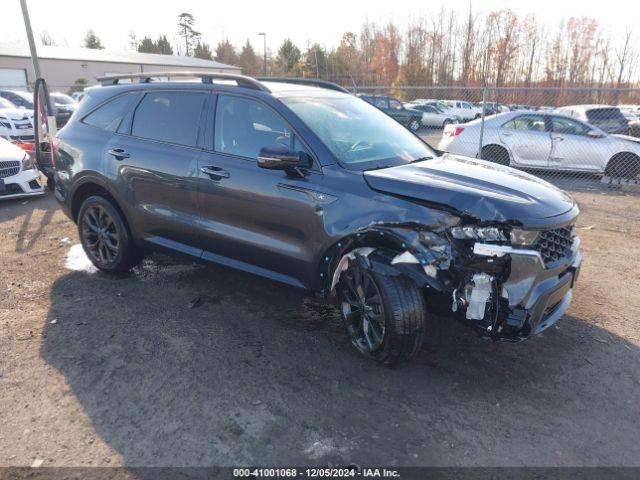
314 82
207 77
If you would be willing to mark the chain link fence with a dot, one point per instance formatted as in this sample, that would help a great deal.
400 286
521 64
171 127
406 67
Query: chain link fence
575 138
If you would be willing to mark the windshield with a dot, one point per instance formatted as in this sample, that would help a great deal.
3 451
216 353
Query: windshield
358 134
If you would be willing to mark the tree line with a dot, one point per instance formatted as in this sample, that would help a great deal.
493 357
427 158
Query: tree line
498 49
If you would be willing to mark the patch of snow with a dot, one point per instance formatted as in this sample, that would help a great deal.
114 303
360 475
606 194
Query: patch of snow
78 261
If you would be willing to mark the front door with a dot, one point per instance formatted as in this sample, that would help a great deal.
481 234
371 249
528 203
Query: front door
528 139
574 149
258 220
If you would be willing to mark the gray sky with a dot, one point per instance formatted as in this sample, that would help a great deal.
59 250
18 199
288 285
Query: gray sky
68 20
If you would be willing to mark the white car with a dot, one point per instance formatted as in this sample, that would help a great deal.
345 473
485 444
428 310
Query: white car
432 116
19 176
465 110
631 112
15 123
605 117
546 141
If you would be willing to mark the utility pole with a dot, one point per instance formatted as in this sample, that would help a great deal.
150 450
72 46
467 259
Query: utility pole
264 38
32 43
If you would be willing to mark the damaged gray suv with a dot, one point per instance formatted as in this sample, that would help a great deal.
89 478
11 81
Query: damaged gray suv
309 185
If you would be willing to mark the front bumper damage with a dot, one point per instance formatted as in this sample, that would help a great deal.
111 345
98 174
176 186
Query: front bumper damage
505 293
533 296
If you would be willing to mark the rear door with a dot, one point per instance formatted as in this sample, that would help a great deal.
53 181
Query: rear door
528 139
154 160
258 220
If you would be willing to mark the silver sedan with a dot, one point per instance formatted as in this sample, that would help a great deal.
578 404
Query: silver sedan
432 116
545 141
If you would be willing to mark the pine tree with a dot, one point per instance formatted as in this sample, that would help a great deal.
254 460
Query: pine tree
187 32
248 60
91 40
202 50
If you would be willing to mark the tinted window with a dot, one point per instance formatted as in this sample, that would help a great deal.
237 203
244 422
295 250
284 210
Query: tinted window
170 117
568 126
531 123
109 115
244 126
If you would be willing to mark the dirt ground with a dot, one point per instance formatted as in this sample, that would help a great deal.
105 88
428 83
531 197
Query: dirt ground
182 364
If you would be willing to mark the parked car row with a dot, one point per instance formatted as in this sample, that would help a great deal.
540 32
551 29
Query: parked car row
63 105
579 138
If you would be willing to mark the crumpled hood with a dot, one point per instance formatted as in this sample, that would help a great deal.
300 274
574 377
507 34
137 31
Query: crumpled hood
15 113
477 188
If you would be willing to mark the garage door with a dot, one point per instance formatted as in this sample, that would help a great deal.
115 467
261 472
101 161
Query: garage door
13 77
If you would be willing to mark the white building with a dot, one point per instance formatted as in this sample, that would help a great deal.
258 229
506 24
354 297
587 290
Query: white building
63 67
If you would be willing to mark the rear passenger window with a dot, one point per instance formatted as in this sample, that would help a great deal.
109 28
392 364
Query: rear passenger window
109 115
531 123
244 126
172 117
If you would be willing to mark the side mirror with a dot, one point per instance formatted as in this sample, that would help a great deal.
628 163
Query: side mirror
594 134
278 157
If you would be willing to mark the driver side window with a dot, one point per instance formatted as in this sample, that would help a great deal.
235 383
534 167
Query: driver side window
244 126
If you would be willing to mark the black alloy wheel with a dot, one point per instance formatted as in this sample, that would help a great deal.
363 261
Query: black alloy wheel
100 236
363 310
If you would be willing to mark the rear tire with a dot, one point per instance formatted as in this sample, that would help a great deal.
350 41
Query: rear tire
392 328
624 165
495 154
105 236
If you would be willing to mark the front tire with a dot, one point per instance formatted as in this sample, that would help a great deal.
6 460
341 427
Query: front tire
384 315
105 236
624 165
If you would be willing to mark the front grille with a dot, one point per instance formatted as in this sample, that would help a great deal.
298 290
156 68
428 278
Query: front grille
554 244
8 169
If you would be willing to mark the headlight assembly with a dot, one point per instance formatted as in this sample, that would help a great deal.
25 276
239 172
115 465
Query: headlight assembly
487 234
27 162
523 237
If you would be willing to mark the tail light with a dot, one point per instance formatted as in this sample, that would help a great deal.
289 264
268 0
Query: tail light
54 150
453 131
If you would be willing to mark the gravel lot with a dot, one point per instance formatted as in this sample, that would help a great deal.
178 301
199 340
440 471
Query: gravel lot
181 364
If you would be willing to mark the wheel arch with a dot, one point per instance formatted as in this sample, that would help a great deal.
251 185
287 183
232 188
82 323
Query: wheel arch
617 156
498 146
385 242
94 186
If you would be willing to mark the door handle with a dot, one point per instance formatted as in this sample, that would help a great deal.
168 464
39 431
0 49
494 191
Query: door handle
559 139
215 173
507 134
118 153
